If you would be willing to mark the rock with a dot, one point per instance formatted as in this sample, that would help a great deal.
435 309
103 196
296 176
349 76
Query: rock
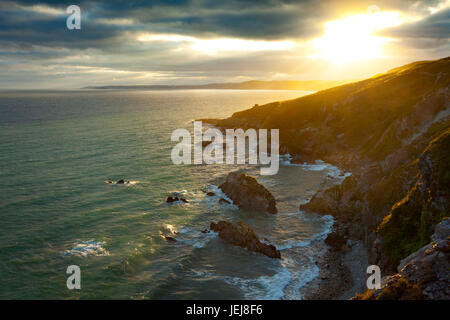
171 199
411 222
424 274
225 201
211 194
247 193
337 238
442 230
170 239
240 234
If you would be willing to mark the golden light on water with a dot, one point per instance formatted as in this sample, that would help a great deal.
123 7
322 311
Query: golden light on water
352 38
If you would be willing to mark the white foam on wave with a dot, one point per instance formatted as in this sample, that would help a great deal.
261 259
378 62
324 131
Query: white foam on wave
328 224
194 237
264 287
289 278
218 193
286 160
88 248
126 184
285 283
180 193
168 230
299 278
319 165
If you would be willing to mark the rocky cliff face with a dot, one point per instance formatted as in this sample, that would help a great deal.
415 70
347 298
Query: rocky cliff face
410 223
422 275
247 193
391 131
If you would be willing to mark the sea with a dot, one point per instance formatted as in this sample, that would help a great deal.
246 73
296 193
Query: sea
58 149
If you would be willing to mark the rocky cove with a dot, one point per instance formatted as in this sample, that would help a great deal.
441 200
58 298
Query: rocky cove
392 131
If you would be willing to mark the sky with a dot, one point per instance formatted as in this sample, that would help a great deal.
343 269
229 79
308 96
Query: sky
205 41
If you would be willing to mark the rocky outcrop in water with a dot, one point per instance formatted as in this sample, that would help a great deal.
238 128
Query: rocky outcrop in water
240 234
121 181
171 199
247 193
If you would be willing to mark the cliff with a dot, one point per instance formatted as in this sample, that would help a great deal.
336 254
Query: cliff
421 275
391 131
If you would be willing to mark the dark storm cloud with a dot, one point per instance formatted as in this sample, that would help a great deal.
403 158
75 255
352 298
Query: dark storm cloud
436 26
34 37
263 19
431 33
244 19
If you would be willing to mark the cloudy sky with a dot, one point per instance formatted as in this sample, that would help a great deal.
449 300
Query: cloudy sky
203 41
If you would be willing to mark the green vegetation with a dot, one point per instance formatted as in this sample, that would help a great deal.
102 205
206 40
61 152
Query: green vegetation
411 222
398 289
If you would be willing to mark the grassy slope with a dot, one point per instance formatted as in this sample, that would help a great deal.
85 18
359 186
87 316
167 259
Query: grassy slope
352 116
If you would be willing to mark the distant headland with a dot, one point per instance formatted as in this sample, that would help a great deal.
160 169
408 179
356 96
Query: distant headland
306 85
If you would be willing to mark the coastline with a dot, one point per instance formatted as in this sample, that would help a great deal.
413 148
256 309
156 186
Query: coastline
341 272
342 261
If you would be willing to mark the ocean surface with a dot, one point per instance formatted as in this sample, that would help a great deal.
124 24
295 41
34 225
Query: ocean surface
57 149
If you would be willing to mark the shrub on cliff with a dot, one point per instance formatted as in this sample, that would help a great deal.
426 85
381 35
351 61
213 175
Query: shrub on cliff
410 224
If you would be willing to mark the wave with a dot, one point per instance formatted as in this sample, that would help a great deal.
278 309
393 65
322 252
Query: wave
218 193
264 287
180 193
88 248
285 283
125 184
188 235
318 165
299 278
328 224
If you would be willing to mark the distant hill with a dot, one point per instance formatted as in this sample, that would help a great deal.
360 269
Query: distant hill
307 85
392 132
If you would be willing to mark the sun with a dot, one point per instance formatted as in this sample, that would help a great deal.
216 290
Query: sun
352 38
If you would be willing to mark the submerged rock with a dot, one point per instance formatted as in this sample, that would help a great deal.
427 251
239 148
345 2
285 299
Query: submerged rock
225 201
170 239
240 234
171 199
121 181
247 193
